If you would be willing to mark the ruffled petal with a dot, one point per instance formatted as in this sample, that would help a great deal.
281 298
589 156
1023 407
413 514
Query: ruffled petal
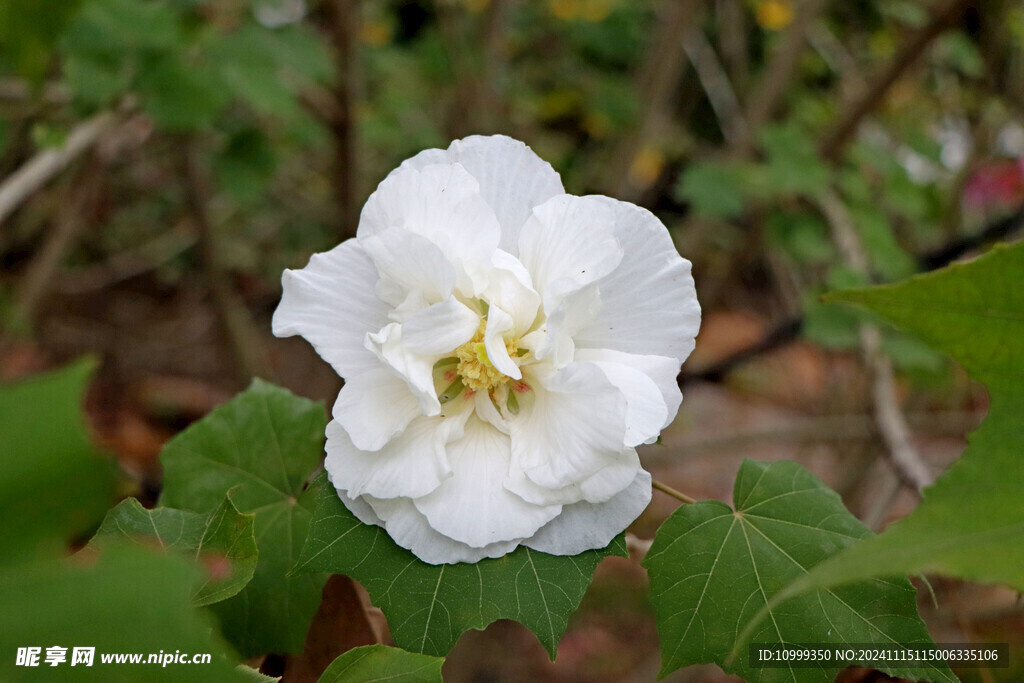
374 406
510 288
409 528
512 178
412 464
498 323
569 426
662 370
472 506
648 304
409 263
332 303
597 488
567 243
440 202
440 329
585 526
416 369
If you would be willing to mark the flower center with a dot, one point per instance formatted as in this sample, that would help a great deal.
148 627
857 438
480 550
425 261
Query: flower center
475 368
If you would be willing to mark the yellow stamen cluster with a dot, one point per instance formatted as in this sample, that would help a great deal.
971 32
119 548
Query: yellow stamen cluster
475 367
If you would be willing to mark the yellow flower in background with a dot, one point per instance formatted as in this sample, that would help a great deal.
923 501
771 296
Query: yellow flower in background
774 15
587 10
646 166
375 32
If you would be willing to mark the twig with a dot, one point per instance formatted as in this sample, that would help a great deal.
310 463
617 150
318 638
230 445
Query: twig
41 168
810 430
943 16
716 85
778 72
67 226
656 81
666 489
249 352
344 29
891 422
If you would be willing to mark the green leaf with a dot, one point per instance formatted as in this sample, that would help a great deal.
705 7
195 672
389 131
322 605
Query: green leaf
221 542
53 485
182 96
975 312
246 164
128 601
429 606
262 445
28 31
714 189
382 663
712 569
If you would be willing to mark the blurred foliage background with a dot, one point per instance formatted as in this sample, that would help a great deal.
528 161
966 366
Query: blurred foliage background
163 160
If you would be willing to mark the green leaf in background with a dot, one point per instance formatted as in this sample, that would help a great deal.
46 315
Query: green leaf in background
266 442
182 96
971 522
713 189
429 606
128 601
221 542
246 164
793 165
53 484
712 569
28 31
383 663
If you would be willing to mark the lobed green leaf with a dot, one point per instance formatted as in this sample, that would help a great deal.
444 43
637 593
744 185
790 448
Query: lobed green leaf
713 569
429 606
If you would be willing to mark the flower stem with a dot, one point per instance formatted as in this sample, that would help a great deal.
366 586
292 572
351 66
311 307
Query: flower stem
678 495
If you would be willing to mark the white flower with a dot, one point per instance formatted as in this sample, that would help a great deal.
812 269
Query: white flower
504 345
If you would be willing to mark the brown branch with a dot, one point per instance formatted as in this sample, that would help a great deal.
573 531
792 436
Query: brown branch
343 24
717 87
892 424
657 79
68 224
41 168
249 353
782 66
944 15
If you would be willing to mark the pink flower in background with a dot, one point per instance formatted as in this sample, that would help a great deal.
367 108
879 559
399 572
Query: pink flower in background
505 347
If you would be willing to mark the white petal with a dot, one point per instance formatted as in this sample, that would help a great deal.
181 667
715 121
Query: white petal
331 302
374 406
585 526
662 370
512 178
441 328
359 507
412 464
554 339
569 426
510 287
472 506
498 323
408 262
409 528
486 411
597 488
648 304
440 202
567 243
416 369
645 408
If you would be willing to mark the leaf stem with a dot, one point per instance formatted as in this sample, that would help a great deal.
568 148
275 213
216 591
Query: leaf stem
666 489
